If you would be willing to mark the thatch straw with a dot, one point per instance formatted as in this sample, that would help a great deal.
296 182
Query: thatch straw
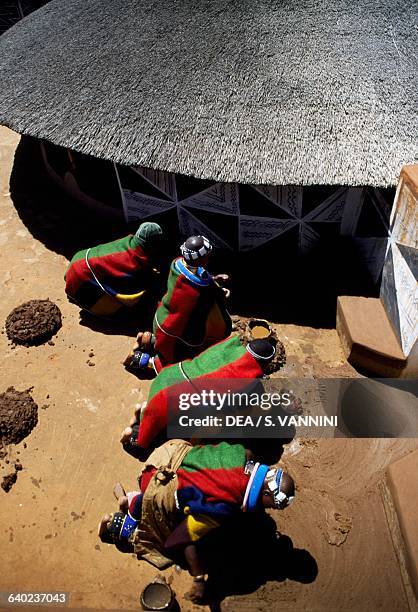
12 11
261 91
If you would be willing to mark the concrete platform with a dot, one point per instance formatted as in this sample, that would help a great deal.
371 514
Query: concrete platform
402 479
367 336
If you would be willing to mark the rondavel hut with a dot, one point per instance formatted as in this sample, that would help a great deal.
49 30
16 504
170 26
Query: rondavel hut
277 128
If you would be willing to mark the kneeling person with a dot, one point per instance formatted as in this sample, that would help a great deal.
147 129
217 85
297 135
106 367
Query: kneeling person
110 278
229 360
192 314
188 491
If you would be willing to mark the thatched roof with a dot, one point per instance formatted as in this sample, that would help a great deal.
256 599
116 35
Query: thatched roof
262 91
12 11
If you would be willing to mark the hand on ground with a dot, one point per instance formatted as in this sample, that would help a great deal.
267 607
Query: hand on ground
295 406
197 593
222 279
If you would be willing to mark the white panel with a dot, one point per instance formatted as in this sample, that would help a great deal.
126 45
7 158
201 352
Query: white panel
405 226
407 299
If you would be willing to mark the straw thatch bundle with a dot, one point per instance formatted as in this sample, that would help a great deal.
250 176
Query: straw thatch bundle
261 91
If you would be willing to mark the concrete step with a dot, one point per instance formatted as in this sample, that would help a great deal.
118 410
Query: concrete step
368 338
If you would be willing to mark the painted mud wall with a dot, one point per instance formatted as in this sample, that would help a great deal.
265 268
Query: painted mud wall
236 217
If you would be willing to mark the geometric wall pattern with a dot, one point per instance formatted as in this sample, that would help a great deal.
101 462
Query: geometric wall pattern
243 217
238 217
399 289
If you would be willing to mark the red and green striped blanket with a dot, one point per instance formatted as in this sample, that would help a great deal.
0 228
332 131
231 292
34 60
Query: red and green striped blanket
190 317
211 484
104 278
227 359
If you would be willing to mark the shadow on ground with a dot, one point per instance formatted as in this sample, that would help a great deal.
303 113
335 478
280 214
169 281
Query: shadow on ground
60 223
284 286
138 318
246 554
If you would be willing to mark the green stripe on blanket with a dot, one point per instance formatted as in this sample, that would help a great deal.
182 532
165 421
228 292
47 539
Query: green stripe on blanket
217 356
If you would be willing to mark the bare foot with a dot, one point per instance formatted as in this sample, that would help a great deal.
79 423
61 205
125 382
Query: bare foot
139 338
142 337
102 528
126 434
119 491
139 411
135 420
128 359
123 504
145 341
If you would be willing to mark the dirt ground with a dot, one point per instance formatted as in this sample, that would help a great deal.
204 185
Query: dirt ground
343 558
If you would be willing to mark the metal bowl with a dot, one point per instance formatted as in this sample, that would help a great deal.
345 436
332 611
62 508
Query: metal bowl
157 595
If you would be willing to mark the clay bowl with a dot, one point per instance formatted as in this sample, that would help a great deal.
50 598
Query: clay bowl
259 329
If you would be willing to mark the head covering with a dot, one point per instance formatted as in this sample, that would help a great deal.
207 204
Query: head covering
195 247
274 482
261 349
148 232
254 487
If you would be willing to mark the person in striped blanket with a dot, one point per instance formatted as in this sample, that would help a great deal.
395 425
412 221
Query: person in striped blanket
185 492
228 363
192 314
110 279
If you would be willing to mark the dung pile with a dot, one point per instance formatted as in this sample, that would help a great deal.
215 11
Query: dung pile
33 322
18 416
8 481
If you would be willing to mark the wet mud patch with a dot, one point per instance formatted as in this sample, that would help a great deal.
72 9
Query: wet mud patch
33 322
253 329
278 360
